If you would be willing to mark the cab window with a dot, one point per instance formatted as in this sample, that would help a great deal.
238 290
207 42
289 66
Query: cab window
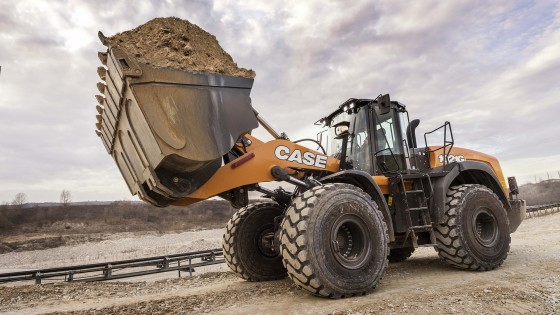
388 151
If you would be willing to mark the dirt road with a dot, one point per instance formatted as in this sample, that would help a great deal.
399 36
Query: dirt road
528 282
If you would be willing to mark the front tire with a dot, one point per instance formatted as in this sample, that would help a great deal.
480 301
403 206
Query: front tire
334 241
248 243
476 233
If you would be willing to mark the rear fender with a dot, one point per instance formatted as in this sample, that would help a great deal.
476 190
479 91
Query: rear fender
468 172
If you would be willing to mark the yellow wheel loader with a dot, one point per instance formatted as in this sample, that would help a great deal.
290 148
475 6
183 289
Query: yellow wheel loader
368 195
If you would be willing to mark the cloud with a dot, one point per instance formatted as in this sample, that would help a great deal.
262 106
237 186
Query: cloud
489 68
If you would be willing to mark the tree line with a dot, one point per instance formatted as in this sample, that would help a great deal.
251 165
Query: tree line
20 199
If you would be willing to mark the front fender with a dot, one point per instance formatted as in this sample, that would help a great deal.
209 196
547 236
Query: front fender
365 182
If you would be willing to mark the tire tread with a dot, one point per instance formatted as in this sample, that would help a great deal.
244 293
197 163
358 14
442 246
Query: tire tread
229 241
295 254
450 246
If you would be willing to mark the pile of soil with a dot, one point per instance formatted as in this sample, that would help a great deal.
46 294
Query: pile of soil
175 43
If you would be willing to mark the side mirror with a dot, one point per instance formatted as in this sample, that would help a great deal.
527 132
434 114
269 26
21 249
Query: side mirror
384 104
341 130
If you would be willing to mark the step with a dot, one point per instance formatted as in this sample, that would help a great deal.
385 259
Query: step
414 176
417 209
414 191
422 228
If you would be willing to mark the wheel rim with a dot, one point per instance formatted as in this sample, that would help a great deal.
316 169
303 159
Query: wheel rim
485 227
350 241
265 242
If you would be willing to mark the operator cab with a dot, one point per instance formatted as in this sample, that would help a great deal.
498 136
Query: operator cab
379 122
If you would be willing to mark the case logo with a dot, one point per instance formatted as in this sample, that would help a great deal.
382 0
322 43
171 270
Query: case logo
282 152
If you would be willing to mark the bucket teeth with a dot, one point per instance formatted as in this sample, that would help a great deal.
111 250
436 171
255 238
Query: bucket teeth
101 87
99 108
100 99
98 133
102 57
102 72
98 125
103 39
99 118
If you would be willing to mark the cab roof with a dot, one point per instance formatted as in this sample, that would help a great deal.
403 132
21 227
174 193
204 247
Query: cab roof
352 104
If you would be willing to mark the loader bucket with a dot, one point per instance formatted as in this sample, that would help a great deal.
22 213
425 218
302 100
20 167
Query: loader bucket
168 129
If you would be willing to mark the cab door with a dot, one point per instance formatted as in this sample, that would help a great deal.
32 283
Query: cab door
389 152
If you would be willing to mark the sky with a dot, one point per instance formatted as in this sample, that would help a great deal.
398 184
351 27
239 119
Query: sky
491 68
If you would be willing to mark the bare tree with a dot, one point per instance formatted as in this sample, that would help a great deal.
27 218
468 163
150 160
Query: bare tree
65 197
20 199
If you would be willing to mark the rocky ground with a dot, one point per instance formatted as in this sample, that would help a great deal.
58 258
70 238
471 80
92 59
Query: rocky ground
528 282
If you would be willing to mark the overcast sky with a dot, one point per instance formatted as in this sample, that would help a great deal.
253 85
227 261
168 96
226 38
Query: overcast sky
491 68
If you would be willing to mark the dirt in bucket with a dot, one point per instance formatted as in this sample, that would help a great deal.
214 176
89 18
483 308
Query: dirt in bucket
176 43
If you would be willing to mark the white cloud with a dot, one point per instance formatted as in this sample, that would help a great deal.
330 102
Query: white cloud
489 68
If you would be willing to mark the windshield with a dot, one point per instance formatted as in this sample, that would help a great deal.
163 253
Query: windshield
359 149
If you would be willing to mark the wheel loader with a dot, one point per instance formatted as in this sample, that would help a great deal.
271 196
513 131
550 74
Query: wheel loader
368 195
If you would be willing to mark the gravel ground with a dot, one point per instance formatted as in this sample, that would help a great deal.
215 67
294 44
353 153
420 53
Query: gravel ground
117 247
528 282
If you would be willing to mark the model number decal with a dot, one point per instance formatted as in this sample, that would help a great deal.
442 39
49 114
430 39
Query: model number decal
282 152
451 158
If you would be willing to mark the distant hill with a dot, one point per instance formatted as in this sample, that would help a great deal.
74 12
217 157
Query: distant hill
545 192
109 217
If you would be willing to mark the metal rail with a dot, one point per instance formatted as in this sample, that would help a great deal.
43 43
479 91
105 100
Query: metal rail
542 209
112 270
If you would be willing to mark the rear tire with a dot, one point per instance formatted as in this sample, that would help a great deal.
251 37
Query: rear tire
476 233
334 241
248 243
400 254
